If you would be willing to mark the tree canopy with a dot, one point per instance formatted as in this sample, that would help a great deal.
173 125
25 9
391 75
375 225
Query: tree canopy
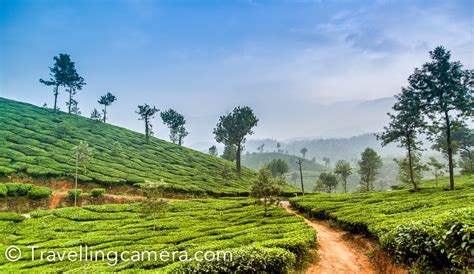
233 128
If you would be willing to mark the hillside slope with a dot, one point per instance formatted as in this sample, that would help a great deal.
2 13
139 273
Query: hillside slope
311 170
39 143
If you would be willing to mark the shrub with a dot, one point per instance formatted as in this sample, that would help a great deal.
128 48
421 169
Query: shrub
3 190
97 192
10 216
17 189
38 192
74 193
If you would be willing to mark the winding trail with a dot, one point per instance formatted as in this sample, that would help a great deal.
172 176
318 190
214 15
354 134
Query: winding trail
336 254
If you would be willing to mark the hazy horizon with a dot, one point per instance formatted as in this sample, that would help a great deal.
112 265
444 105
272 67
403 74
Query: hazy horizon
312 68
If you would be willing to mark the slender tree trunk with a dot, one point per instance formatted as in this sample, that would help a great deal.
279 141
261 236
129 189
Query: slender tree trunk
56 92
70 101
301 176
345 185
146 129
105 113
410 166
238 159
450 151
75 181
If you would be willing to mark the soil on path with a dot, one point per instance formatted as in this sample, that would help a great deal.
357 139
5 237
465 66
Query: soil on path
338 254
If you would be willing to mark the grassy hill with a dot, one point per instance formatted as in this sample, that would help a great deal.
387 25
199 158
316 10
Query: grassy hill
430 228
311 170
38 143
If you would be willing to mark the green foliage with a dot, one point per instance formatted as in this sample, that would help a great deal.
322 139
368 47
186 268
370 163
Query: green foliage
83 155
431 228
37 192
120 155
146 114
232 129
97 192
311 170
327 181
10 216
266 189
417 170
3 190
274 244
278 167
21 190
436 167
444 90
213 150
175 122
106 100
74 193
369 166
17 189
343 170
229 153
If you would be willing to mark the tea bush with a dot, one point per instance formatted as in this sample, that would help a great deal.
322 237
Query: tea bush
97 192
74 193
270 244
38 142
37 192
19 189
432 228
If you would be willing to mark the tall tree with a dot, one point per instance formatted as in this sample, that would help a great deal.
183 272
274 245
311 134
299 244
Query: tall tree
233 128
369 166
106 100
304 151
146 114
175 122
278 167
82 155
73 82
213 150
58 75
343 170
404 127
446 94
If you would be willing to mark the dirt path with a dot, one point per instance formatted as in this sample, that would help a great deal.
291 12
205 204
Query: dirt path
336 254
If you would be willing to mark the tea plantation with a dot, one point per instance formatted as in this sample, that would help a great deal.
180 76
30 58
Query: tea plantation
38 143
276 243
433 228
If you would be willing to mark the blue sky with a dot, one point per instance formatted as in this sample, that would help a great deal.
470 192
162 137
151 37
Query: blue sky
286 59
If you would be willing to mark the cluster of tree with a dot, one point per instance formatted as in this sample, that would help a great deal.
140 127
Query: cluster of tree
63 73
328 181
437 101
